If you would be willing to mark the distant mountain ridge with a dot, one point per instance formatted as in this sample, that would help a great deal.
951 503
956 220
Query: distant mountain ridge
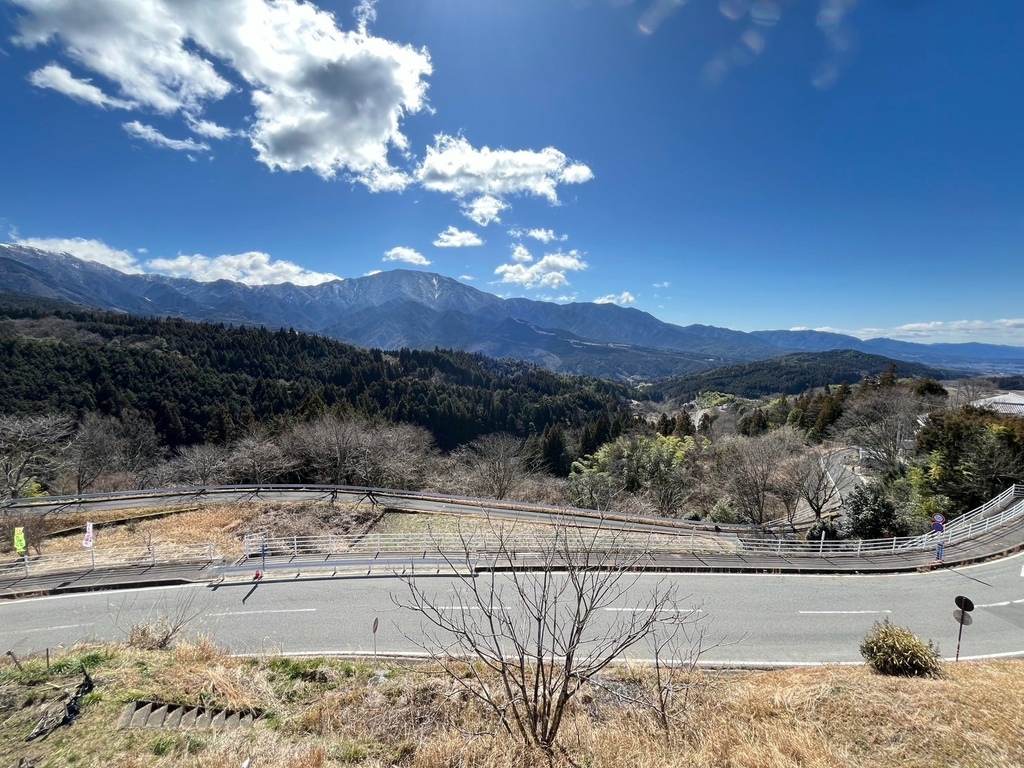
421 310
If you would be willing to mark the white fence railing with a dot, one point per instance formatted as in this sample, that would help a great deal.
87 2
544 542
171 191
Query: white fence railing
995 513
257 545
113 557
974 524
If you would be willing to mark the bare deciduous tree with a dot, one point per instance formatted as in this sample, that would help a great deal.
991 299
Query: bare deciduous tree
326 448
498 464
205 464
95 450
752 467
30 447
257 459
884 421
818 488
538 627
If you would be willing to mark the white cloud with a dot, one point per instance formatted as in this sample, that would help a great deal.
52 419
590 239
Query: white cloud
623 298
455 167
484 210
87 250
1005 331
662 285
373 272
467 278
252 268
546 235
209 129
153 136
366 14
549 272
521 254
59 79
408 255
456 238
323 99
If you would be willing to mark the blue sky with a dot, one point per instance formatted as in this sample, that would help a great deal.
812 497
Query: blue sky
754 164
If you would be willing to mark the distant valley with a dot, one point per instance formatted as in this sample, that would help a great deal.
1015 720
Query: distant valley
419 310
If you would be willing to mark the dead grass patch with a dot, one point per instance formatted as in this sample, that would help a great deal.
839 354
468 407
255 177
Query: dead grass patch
330 712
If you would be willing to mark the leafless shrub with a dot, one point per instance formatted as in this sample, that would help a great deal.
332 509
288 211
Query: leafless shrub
160 627
543 621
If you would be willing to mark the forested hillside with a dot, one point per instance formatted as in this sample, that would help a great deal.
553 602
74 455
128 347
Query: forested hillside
789 375
201 382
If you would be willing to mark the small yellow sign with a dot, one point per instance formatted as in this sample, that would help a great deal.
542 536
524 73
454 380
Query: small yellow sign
19 540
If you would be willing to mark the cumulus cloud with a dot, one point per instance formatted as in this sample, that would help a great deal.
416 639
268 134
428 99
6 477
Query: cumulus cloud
153 136
57 78
456 238
1005 331
408 255
484 210
457 168
251 268
549 272
323 99
623 298
87 250
521 254
546 235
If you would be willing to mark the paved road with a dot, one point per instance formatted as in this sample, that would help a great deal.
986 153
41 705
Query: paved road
761 618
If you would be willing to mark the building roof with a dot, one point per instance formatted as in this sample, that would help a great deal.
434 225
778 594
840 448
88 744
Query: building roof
1009 403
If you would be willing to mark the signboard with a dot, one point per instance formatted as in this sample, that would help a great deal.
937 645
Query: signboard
938 518
938 527
19 541
87 540
962 614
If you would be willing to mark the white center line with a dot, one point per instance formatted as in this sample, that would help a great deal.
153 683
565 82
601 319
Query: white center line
851 613
249 613
999 605
45 629
469 608
659 610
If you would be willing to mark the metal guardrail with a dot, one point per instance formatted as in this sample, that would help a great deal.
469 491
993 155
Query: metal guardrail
256 545
655 543
363 566
688 539
114 557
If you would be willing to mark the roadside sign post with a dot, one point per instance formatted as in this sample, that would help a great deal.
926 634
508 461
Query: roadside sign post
88 542
376 623
964 606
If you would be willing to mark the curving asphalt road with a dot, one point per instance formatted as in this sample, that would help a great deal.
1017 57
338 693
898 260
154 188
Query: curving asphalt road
757 619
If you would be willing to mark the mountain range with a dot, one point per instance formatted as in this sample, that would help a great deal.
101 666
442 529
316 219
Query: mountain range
421 310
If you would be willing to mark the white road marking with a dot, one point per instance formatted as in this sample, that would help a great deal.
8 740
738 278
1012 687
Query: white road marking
44 629
999 605
249 613
469 608
848 613
659 610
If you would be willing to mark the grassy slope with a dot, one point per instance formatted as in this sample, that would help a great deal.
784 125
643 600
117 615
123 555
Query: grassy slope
320 712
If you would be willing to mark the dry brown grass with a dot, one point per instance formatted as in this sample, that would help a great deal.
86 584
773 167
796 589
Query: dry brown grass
223 524
320 712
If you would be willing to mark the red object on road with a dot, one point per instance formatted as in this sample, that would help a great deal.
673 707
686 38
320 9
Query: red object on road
257 576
